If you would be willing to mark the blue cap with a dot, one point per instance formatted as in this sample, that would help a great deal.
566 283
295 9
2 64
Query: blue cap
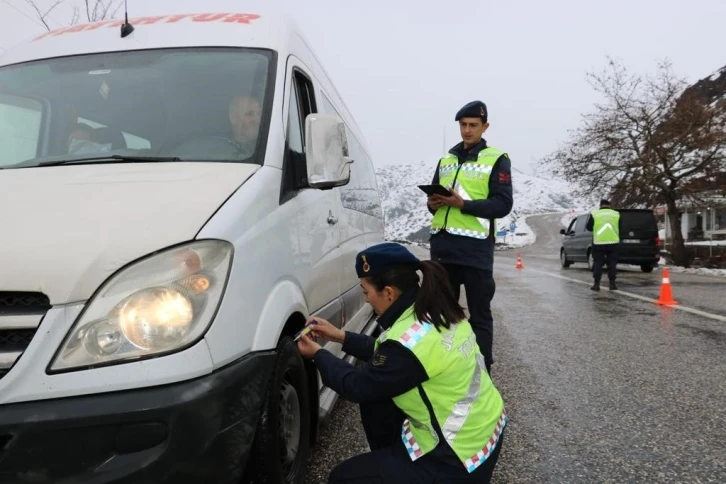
380 257
475 109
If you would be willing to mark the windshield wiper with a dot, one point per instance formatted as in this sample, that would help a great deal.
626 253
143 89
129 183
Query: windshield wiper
111 159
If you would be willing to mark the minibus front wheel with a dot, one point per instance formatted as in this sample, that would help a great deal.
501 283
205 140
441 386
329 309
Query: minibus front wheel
282 439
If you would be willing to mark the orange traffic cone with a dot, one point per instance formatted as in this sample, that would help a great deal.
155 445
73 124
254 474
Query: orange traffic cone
666 294
519 261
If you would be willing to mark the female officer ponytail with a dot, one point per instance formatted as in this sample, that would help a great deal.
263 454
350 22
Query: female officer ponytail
436 297
435 301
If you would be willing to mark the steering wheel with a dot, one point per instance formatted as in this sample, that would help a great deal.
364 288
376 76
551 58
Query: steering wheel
206 147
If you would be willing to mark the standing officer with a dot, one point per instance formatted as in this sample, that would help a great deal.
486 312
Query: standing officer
463 227
605 227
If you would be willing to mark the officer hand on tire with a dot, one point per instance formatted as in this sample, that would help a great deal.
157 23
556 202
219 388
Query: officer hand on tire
307 346
324 329
319 328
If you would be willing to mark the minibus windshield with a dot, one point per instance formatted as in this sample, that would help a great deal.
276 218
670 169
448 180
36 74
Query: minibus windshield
196 104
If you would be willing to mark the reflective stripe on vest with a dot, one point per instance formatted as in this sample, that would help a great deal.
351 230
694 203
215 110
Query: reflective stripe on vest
462 408
606 226
471 181
477 459
473 462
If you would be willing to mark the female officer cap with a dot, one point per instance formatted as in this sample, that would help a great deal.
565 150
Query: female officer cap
380 257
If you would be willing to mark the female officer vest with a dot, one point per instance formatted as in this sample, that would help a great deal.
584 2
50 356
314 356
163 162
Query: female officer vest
458 398
471 180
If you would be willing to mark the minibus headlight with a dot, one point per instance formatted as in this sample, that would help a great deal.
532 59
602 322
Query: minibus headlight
161 304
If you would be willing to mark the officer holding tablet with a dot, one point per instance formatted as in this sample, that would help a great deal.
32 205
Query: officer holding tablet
479 178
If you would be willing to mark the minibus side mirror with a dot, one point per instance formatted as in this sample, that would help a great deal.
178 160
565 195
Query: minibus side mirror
327 156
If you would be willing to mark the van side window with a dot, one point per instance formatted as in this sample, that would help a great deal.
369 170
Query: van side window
586 220
571 228
302 103
294 123
361 193
581 223
306 96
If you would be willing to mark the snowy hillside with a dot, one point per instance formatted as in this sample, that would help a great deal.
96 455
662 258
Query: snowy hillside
408 219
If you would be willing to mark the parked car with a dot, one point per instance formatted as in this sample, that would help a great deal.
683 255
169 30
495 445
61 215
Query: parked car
639 240
176 203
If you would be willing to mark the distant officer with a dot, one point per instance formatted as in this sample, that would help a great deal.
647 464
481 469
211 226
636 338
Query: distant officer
428 363
605 227
463 227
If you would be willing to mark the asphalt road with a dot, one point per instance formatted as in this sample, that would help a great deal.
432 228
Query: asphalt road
694 291
600 387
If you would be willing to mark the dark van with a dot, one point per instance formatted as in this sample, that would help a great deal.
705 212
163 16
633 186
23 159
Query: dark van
639 242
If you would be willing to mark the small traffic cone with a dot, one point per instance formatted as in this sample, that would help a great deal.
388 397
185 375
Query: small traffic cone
666 294
519 261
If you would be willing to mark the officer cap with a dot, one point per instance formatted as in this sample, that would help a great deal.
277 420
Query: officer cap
604 202
475 109
380 257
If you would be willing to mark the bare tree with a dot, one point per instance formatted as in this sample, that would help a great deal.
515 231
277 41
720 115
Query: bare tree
651 141
90 10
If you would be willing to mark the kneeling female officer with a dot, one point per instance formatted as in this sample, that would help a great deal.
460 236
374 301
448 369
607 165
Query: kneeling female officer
426 360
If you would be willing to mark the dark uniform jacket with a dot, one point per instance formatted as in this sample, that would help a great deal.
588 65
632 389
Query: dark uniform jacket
468 251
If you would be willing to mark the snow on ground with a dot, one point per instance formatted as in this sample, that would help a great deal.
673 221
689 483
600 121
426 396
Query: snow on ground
701 271
707 243
522 237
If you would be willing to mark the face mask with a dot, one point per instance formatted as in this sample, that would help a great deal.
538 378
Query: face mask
85 147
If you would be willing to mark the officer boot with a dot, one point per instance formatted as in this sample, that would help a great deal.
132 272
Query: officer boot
596 286
613 287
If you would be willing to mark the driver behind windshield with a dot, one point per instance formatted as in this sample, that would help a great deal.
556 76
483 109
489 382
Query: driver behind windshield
245 114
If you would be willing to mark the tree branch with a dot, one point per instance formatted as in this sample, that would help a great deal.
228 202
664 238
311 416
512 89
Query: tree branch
42 16
650 140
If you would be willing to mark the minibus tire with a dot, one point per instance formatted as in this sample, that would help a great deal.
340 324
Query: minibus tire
288 383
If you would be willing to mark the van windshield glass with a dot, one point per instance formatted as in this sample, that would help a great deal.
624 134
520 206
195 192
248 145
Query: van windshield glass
187 104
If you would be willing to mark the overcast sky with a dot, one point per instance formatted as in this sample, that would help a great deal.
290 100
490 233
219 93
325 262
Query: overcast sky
404 69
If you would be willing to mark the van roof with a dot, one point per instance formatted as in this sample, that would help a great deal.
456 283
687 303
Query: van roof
217 29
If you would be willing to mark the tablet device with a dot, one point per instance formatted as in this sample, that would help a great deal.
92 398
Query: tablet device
435 190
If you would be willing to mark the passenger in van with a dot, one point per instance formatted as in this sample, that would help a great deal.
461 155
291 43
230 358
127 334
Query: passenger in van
81 141
80 132
245 115
428 363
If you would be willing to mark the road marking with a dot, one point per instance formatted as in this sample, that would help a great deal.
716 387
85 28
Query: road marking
698 312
